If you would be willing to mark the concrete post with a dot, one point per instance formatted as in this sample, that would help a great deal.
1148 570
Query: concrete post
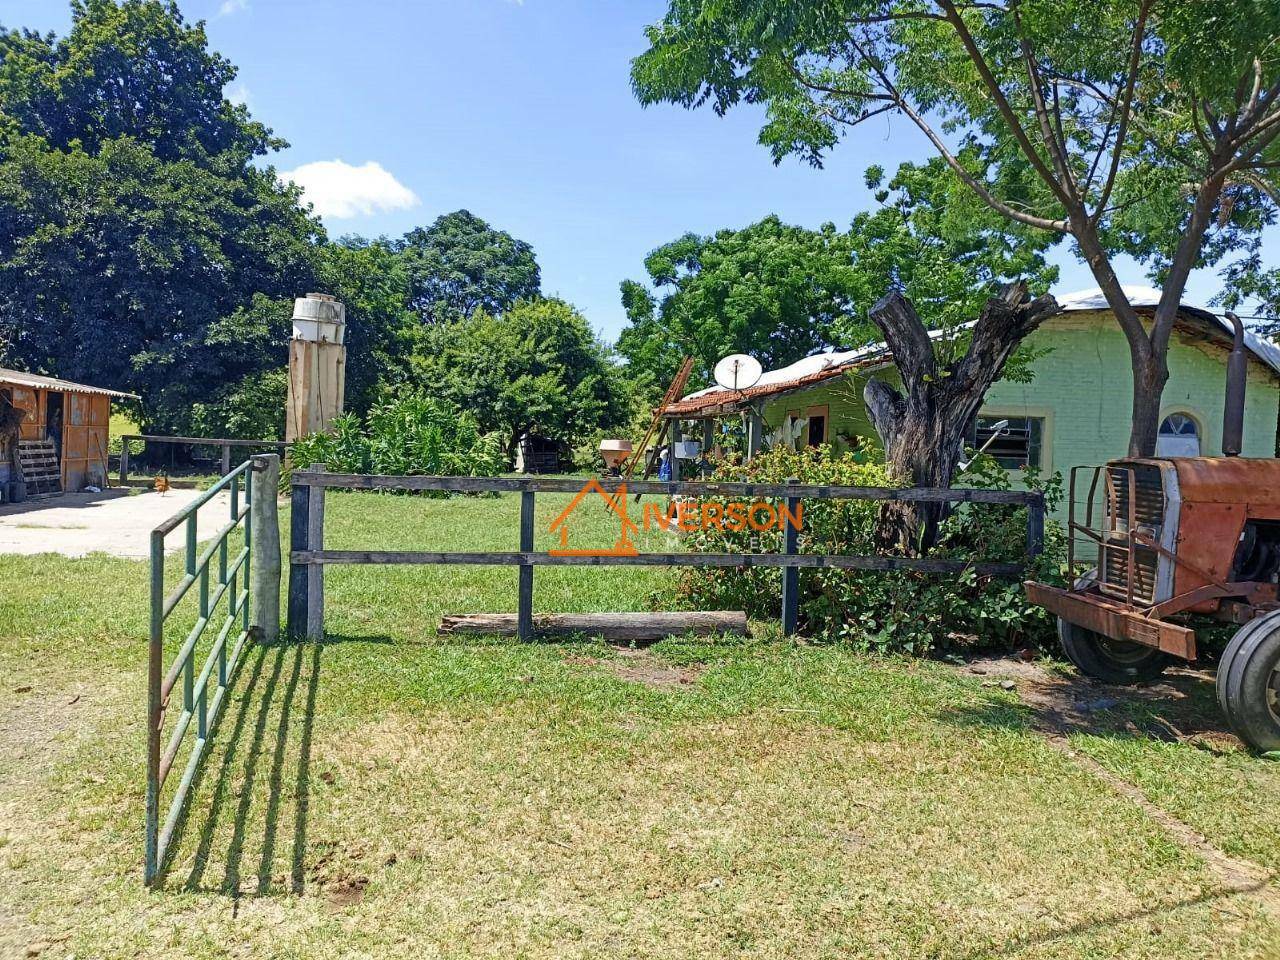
264 559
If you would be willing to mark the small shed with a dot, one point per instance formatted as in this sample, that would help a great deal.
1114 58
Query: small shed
539 454
63 426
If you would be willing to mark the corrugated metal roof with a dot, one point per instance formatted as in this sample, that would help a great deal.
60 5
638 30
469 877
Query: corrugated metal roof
824 366
39 382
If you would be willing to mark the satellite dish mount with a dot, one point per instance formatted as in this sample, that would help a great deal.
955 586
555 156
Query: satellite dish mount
737 372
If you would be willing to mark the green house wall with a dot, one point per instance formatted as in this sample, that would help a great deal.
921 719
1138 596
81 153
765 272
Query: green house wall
1084 390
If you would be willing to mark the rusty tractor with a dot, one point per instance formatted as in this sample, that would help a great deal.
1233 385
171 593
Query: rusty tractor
1177 537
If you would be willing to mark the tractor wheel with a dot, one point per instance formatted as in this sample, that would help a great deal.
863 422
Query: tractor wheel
1117 662
1249 683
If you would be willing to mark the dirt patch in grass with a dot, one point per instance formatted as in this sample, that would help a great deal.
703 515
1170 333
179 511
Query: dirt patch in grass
641 666
1067 702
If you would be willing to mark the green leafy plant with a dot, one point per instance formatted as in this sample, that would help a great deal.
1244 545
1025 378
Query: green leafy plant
412 434
900 611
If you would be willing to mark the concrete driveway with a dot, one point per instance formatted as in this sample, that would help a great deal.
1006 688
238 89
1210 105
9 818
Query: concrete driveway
116 521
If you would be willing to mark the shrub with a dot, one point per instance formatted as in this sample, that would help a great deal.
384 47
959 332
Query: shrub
411 434
901 611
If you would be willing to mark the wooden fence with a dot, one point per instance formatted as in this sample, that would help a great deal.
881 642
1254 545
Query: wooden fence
308 556
227 445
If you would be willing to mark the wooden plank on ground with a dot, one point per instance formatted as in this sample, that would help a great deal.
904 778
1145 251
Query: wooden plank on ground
610 626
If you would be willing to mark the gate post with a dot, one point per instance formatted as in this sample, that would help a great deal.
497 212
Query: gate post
306 580
264 557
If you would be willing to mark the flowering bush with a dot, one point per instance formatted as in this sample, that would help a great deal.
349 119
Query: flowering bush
901 611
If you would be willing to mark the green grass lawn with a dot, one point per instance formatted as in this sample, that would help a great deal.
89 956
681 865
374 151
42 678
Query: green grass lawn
390 794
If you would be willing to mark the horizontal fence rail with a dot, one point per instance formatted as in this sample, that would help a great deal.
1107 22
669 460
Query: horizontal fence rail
227 445
216 574
685 488
308 557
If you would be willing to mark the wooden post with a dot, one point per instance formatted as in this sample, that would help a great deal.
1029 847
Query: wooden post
672 460
264 559
755 432
708 437
300 503
790 575
1035 527
315 571
524 615
124 460
226 459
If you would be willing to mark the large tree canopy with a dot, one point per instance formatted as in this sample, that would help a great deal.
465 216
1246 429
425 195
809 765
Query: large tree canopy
781 292
772 290
460 264
1131 126
535 368
135 232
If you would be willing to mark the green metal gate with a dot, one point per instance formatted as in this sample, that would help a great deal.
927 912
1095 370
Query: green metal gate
218 575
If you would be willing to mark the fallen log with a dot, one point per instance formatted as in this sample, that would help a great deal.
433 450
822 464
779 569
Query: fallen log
609 626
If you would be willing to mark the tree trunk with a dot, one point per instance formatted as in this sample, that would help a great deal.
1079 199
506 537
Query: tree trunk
1149 377
513 445
923 426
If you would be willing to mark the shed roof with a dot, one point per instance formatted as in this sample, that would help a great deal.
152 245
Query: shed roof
38 381
825 366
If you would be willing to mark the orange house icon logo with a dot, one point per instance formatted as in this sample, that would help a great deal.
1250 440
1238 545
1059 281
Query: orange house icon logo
616 503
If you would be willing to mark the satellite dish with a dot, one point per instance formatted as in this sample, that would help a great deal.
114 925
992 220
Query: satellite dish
738 372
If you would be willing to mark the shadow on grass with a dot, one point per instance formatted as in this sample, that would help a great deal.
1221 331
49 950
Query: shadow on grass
1017 945
1181 707
266 747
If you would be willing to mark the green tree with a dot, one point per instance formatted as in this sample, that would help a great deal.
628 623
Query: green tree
139 242
780 292
772 290
368 277
1128 126
535 368
460 264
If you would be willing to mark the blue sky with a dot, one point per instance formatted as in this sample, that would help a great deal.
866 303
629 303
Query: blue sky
520 111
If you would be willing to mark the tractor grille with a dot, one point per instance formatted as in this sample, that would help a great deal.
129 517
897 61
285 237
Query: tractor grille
1149 500
1148 518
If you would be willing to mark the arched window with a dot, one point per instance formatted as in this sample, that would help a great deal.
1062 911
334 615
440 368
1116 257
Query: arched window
1179 436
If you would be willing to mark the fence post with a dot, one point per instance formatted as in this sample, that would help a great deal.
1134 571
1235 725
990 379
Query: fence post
264 558
315 571
226 459
790 575
299 510
1035 527
124 460
524 611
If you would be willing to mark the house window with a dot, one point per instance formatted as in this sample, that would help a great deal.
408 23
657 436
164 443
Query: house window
816 432
1015 446
1179 436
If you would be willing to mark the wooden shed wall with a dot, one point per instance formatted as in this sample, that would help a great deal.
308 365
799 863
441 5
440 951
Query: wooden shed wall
85 424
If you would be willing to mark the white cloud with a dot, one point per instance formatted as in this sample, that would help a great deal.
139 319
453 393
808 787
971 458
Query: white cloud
240 93
231 7
340 191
